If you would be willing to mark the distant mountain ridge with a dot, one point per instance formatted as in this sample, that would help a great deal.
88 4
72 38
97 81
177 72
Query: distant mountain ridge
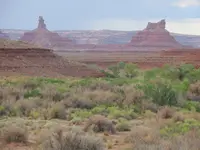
105 36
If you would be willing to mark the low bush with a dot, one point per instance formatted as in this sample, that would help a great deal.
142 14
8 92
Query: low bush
72 141
142 134
180 128
166 113
24 107
178 117
15 134
32 93
188 141
194 89
191 106
127 113
58 111
123 126
160 93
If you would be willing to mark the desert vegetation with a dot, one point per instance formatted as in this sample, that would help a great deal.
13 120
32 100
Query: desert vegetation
128 109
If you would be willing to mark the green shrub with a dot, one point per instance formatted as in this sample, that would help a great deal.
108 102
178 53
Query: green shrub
34 114
50 80
177 72
77 120
150 74
192 106
81 113
179 128
2 111
160 93
32 93
100 110
123 126
116 112
131 70
115 70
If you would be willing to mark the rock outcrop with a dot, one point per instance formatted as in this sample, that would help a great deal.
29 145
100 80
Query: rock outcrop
3 35
155 35
45 38
20 58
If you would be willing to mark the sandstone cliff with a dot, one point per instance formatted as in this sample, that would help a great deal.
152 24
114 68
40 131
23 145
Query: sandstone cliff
43 37
103 37
155 35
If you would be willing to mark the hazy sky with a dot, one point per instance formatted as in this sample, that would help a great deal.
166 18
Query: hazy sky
182 16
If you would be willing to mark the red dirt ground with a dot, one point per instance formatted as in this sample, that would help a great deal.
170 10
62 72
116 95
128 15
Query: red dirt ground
144 59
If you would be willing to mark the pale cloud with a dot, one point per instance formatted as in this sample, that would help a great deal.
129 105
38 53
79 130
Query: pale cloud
182 26
185 26
186 3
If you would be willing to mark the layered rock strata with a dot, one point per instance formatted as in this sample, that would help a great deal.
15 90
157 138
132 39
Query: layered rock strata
39 62
45 38
155 35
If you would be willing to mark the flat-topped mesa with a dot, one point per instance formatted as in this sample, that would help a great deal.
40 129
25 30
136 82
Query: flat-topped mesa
155 36
41 36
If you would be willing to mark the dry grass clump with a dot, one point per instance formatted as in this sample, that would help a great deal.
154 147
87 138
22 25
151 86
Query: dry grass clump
51 94
189 141
86 98
100 96
78 102
7 93
29 85
142 134
165 113
101 85
148 105
71 140
194 89
194 115
178 117
58 111
100 124
132 95
103 94
24 107
14 134
147 139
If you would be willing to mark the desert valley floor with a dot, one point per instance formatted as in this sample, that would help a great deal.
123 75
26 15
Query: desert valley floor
56 94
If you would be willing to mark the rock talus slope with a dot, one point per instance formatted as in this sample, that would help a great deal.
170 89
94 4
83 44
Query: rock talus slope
21 58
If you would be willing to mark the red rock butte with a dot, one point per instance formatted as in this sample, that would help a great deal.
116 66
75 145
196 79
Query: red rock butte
155 35
43 37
